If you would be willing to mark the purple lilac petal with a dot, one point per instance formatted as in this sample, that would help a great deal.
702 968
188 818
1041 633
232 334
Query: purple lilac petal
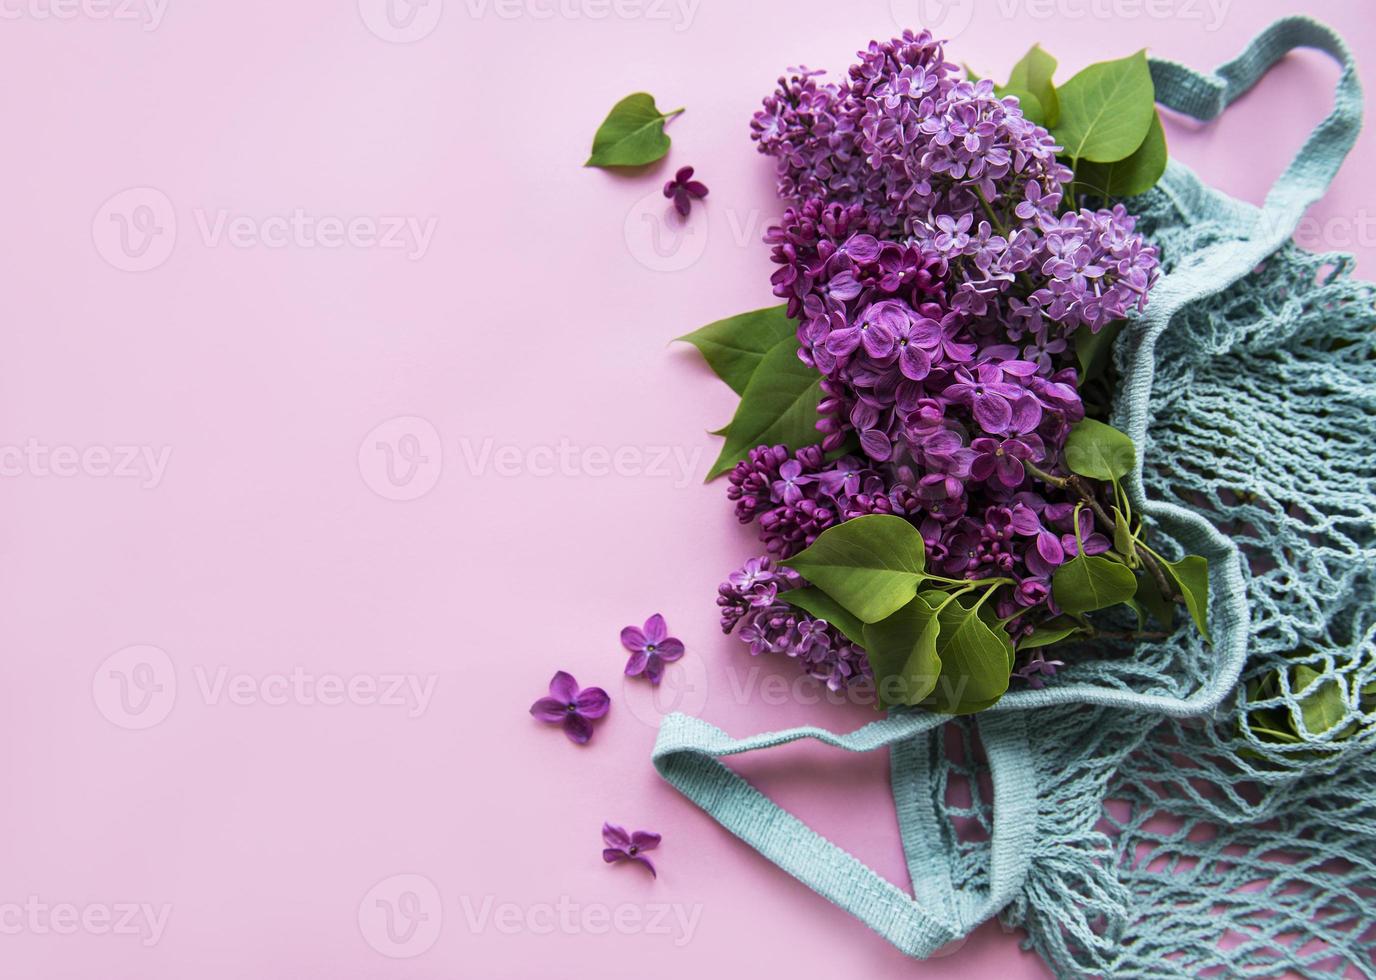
549 709
577 728
615 836
656 629
562 687
592 702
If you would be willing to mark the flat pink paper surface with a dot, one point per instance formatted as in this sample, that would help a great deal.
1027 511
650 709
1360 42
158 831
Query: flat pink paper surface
338 411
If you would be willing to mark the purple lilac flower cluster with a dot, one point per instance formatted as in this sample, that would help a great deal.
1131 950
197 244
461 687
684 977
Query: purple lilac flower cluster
949 167
936 276
749 598
794 498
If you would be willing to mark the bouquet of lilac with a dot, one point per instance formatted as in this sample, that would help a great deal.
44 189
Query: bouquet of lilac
916 440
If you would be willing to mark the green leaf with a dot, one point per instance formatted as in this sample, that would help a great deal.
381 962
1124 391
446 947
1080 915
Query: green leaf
1092 349
1033 74
1191 573
975 660
1031 106
1099 451
1324 705
1123 542
779 405
1090 582
632 134
1049 632
1136 174
1149 597
871 565
902 653
819 605
1106 110
735 346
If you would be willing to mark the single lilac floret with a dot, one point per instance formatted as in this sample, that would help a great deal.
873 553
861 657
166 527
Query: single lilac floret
573 707
651 647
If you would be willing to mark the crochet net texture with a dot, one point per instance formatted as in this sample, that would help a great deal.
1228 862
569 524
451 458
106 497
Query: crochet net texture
1223 850
1140 817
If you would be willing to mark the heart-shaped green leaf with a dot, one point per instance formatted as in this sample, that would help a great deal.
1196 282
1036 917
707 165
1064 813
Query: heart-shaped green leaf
632 134
1191 573
819 605
1099 451
1033 74
1136 174
1106 110
902 653
975 659
778 405
1322 704
734 347
871 565
1090 582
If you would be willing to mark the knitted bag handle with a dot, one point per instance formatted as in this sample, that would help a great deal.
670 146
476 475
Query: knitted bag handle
688 750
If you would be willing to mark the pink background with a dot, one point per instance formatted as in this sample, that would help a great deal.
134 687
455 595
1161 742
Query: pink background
534 325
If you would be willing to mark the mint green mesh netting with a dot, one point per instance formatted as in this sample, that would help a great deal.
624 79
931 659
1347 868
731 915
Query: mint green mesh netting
1239 833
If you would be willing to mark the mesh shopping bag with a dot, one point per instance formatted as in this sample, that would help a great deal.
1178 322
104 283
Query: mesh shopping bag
1182 807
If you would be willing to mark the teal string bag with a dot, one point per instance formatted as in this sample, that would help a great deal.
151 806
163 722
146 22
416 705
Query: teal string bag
1186 809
